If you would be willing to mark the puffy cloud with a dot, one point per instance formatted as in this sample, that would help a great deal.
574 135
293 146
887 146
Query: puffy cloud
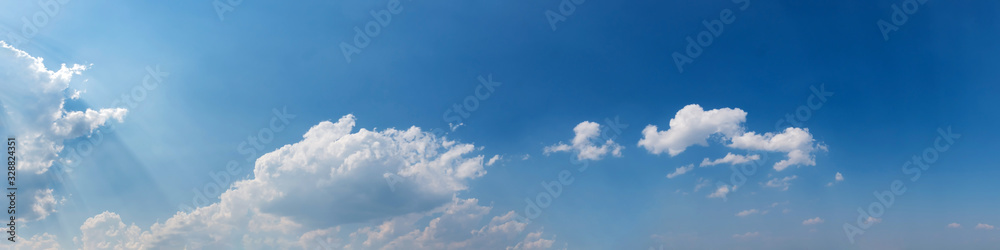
836 178
781 183
493 160
984 226
954 225
720 192
692 125
33 98
730 158
680 170
302 193
812 221
44 241
44 203
797 142
744 213
107 231
585 143
702 183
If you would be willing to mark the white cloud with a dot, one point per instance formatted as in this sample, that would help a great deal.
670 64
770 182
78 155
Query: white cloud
872 220
301 194
797 142
781 183
702 183
106 231
42 241
836 178
746 235
720 192
984 226
744 213
692 125
493 160
44 203
33 98
812 221
954 225
584 145
680 170
730 158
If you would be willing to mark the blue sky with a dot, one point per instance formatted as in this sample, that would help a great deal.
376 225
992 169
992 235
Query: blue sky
219 81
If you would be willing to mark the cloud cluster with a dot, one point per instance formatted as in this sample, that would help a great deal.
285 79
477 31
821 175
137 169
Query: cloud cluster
33 98
586 144
730 158
812 221
693 125
302 194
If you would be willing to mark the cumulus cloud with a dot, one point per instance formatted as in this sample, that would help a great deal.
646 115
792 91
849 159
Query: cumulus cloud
984 226
781 183
44 203
797 142
692 125
33 98
493 160
872 220
720 192
730 158
812 221
680 170
836 178
702 183
744 213
39 241
107 231
585 143
954 225
302 193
